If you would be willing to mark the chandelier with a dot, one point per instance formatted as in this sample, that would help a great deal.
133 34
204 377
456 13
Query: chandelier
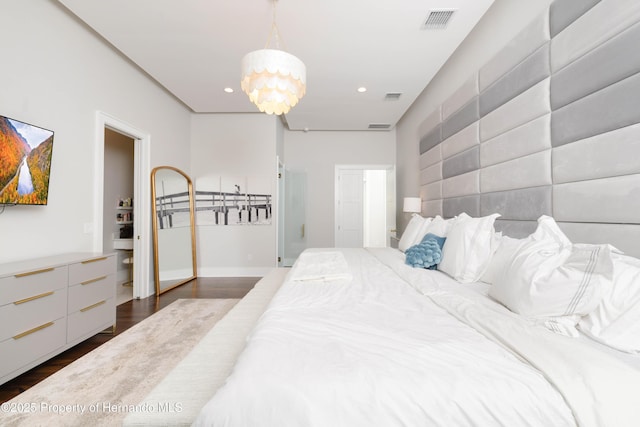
274 79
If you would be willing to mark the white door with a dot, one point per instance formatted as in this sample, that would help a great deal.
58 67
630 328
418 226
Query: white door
349 209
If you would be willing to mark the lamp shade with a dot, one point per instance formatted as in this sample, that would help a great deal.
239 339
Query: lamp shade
274 80
412 204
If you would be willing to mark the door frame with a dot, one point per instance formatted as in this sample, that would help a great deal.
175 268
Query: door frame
142 286
390 168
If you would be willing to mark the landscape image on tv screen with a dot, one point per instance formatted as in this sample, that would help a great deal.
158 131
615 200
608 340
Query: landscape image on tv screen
25 162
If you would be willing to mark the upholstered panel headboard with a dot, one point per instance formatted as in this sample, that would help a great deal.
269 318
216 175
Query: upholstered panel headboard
550 125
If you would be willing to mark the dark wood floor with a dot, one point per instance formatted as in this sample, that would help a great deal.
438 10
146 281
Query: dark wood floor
128 314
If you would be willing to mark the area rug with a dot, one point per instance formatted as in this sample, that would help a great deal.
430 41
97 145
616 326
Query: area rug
100 388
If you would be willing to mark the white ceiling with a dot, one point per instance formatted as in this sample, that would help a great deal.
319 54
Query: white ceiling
193 48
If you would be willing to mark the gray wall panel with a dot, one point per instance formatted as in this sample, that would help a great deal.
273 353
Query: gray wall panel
527 106
529 72
431 208
522 204
515 229
455 206
515 51
464 162
563 12
625 236
461 97
518 142
608 200
432 191
431 139
533 170
463 140
609 63
461 119
461 185
609 154
611 108
432 120
431 157
593 28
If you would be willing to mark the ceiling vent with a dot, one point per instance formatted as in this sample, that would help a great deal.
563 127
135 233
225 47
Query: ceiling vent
438 19
379 125
392 96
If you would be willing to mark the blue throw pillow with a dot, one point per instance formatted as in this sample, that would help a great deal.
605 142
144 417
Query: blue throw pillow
427 253
438 239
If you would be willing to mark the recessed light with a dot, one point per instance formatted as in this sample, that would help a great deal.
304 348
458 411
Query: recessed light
362 89
228 90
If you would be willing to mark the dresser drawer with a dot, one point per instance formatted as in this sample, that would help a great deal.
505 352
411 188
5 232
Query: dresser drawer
16 318
91 291
91 268
32 345
30 283
92 318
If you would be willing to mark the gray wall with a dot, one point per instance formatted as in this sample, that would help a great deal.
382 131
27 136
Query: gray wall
547 126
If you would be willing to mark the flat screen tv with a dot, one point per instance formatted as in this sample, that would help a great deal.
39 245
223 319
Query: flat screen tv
25 162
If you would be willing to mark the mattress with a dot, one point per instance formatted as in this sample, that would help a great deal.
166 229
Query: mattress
384 344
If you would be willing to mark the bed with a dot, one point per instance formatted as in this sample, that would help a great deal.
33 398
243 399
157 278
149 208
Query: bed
359 337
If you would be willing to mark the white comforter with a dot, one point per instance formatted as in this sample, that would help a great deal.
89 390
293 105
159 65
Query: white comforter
373 346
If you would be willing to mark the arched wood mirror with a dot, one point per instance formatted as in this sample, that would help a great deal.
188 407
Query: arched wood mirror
174 237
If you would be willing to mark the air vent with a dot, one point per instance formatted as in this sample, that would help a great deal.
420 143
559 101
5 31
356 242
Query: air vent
379 125
392 96
438 19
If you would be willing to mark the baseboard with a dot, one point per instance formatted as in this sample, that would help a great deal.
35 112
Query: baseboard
234 271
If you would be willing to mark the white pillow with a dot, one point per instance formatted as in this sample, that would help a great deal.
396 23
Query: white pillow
506 247
468 248
438 226
616 320
549 278
411 231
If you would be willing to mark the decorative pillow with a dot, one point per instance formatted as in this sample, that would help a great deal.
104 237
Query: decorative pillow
410 234
616 320
426 254
505 250
551 279
468 249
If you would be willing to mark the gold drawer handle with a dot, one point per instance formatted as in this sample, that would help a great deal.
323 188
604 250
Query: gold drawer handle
30 273
92 306
30 331
22 301
94 260
97 279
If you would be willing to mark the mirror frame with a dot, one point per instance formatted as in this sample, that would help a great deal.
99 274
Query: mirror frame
156 266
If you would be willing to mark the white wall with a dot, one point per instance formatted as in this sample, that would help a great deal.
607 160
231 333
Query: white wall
235 145
317 154
57 74
503 20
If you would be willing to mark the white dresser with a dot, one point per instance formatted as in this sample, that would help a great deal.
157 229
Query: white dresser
50 304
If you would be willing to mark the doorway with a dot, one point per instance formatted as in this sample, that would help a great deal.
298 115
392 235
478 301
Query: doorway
364 205
118 202
141 209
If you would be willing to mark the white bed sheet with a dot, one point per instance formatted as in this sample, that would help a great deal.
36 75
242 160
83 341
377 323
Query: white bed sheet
373 351
600 384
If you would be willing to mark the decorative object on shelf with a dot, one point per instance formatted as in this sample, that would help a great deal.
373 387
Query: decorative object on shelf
125 217
125 203
412 205
274 79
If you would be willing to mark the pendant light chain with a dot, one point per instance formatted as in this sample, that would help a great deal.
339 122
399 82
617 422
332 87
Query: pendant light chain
275 31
